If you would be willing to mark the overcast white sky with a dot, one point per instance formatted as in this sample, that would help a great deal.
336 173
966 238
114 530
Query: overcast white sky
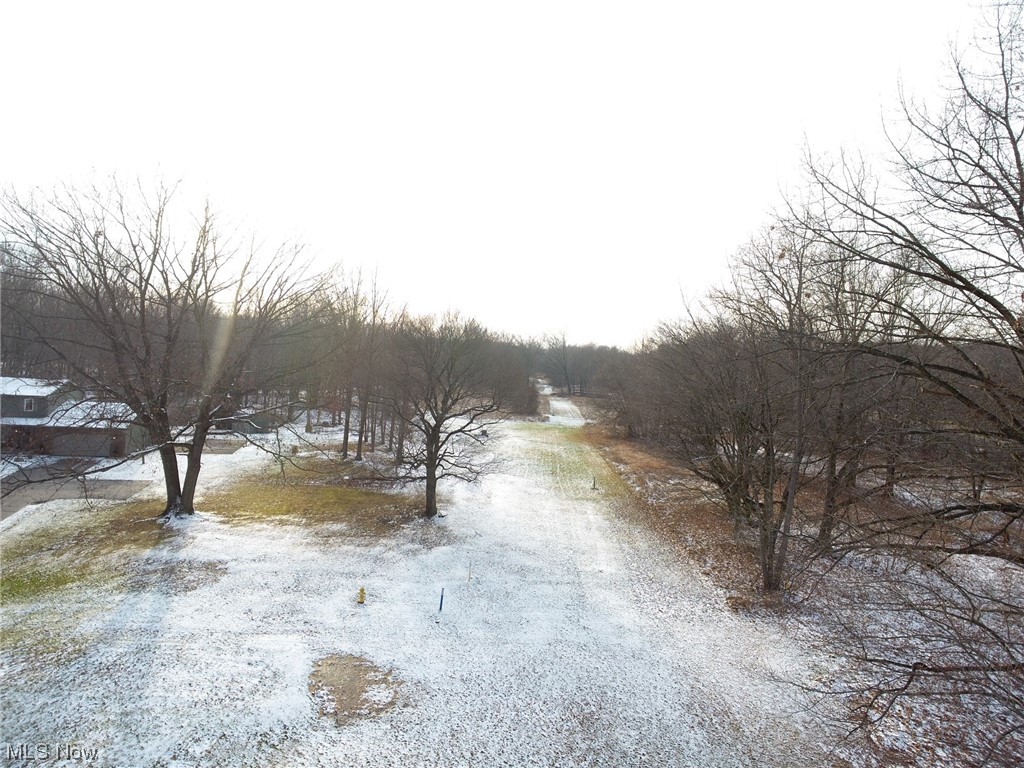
549 166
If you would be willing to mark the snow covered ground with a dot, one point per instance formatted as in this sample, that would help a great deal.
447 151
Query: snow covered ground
566 638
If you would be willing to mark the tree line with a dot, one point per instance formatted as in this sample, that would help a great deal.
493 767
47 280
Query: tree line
137 302
858 388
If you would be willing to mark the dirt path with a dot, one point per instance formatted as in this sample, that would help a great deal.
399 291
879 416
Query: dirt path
567 638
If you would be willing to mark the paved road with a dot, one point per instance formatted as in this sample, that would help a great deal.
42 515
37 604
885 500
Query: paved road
59 481
46 484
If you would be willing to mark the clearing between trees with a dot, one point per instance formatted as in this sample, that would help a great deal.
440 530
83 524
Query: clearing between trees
568 635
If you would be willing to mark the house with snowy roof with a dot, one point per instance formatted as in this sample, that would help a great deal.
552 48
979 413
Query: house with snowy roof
56 418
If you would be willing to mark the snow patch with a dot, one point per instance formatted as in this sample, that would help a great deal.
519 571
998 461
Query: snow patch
566 638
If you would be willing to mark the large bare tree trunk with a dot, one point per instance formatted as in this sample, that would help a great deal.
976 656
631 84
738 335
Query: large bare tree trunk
172 480
789 506
375 430
348 422
363 414
830 511
433 449
195 463
400 448
431 506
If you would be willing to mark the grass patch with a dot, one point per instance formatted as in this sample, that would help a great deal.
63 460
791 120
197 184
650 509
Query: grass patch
89 545
58 571
41 637
362 511
132 528
323 465
29 585
573 462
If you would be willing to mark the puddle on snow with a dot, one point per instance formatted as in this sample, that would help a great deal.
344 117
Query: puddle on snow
351 687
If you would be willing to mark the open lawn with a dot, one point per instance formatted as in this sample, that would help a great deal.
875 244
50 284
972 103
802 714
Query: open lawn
569 635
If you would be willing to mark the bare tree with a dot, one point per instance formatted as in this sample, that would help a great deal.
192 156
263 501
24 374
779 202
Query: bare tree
558 363
448 395
373 325
957 225
164 323
951 220
956 228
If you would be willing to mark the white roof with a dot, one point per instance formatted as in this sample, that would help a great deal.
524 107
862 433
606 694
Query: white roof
84 415
11 385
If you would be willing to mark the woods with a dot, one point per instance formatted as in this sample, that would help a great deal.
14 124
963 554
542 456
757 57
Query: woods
857 391
111 289
102 287
850 400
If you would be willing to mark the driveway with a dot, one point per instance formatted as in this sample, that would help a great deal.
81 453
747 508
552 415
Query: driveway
54 482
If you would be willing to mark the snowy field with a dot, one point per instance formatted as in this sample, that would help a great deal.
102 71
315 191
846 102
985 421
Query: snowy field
566 638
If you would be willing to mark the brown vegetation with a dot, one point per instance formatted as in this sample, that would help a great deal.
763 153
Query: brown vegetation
676 505
351 687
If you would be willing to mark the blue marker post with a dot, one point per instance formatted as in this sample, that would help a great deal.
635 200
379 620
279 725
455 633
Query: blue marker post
441 606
